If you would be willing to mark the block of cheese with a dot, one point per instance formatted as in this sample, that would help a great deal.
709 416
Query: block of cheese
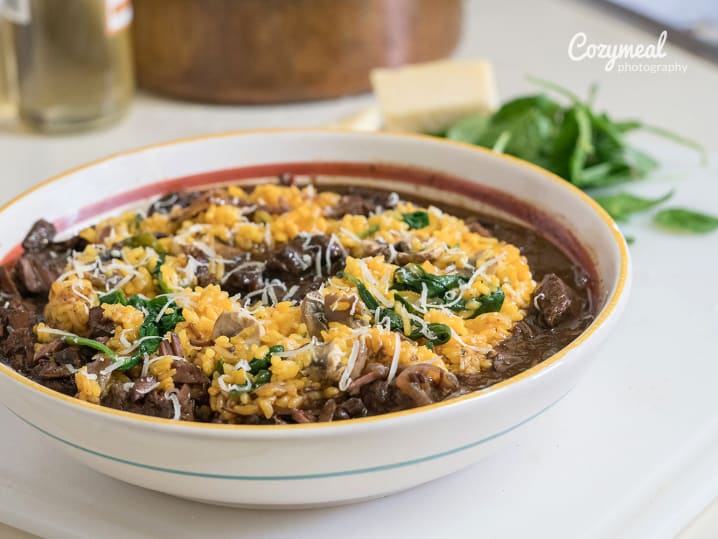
429 97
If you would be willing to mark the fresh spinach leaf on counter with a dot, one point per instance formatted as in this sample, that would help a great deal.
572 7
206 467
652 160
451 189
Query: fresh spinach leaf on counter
683 220
587 148
583 146
621 206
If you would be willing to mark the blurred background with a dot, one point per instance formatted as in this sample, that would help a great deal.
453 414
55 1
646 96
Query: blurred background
73 65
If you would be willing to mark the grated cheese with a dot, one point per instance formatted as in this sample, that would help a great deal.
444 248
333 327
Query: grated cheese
114 366
305 348
171 395
137 343
345 379
79 294
373 285
395 358
480 349
148 389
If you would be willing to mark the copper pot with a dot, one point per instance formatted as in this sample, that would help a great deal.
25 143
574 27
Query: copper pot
268 51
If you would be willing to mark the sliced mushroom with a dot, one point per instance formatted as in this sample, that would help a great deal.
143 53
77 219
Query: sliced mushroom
424 383
312 309
231 323
375 371
360 362
97 367
338 308
329 363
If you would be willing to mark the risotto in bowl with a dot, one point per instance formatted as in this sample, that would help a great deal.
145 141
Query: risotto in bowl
229 317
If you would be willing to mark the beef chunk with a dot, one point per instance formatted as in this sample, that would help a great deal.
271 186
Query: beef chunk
424 383
117 397
366 203
7 285
181 199
48 368
17 317
188 373
299 255
378 397
40 236
204 278
37 271
244 281
74 355
286 179
155 403
21 315
555 300
160 405
351 408
99 325
477 228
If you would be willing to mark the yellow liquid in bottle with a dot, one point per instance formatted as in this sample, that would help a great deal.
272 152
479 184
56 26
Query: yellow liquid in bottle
72 73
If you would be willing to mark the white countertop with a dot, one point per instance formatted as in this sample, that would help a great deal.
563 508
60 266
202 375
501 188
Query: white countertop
632 451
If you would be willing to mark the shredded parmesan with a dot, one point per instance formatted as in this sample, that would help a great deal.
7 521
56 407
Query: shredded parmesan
394 358
148 389
480 349
53 331
79 294
171 395
373 285
164 308
291 353
114 366
345 379
138 342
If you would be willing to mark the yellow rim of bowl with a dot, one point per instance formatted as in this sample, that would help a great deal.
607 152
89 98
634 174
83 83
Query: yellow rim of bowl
551 360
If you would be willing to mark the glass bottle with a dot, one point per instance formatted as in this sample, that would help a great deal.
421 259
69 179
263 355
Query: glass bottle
5 100
72 61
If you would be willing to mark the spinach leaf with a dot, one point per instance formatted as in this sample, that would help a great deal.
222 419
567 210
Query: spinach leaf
260 364
145 239
488 303
412 276
368 232
157 274
118 296
367 297
152 326
416 220
622 206
586 148
469 129
90 343
442 334
684 220
396 322
219 367
408 305
261 378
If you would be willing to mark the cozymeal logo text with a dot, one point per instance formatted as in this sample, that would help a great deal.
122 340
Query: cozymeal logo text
580 48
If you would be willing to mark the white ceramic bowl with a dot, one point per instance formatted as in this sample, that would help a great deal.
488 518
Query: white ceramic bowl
304 465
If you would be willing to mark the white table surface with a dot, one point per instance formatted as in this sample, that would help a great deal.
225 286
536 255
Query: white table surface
632 451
